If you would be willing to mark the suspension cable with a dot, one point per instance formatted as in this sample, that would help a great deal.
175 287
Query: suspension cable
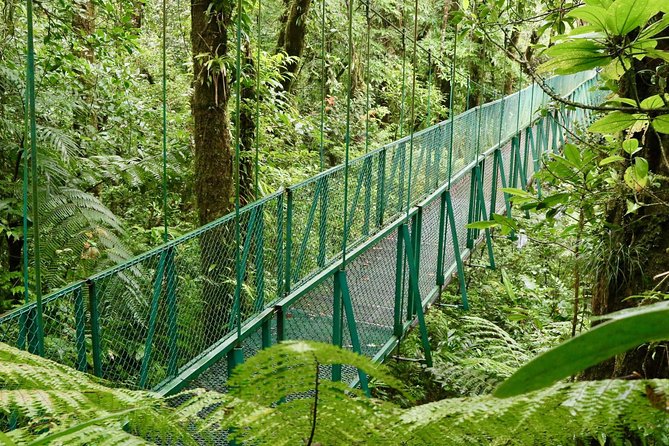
450 106
413 107
164 92
30 92
238 88
348 129
257 142
367 77
429 87
323 81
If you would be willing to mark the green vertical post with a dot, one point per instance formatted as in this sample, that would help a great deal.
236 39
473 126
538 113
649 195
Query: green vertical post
153 316
399 282
266 333
279 245
280 323
416 229
235 357
442 236
172 328
323 221
401 149
495 180
484 214
367 167
289 241
380 188
80 327
337 320
95 327
472 207
340 276
418 303
456 250
260 260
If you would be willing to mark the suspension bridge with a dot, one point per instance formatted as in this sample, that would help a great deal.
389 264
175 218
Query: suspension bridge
355 262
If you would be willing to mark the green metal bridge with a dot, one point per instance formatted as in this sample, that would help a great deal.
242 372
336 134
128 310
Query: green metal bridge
189 311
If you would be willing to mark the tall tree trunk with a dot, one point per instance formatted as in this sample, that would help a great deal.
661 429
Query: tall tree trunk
292 36
83 24
213 159
247 125
640 247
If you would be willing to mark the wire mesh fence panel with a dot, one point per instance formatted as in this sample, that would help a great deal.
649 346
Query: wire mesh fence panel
371 280
428 249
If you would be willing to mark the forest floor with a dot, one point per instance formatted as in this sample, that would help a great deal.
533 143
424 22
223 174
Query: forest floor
518 310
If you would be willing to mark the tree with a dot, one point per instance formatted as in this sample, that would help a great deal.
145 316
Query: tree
291 38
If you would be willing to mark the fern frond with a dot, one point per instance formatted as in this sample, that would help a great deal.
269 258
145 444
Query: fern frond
562 414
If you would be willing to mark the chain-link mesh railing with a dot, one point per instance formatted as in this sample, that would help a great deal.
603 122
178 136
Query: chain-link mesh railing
172 316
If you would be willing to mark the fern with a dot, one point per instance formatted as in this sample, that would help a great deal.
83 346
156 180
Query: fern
272 400
484 356
602 410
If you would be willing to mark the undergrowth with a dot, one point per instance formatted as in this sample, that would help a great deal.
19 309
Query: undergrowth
517 310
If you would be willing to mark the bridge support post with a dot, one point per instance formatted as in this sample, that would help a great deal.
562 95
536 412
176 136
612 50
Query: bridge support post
398 328
484 214
456 250
94 311
442 236
322 221
235 357
153 315
172 328
414 293
416 230
380 189
341 288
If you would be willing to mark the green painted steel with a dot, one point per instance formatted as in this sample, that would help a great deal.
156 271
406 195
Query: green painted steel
418 303
290 258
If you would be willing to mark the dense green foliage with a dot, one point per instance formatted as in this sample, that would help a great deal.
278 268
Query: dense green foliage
274 398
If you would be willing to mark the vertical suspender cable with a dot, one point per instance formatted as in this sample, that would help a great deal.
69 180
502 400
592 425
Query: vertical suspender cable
30 92
349 87
323 80
238 88
429 87
403 76
413 105
367 77
257 70
164 50
450 102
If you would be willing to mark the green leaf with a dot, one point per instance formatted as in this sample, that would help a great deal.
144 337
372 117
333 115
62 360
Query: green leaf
574 56
572 154
627 101
661 124
655 28
626 15
611 159
595 15
508 287
623 332
482 225
631 146
640 167
517 192
632 207
614 122
654 101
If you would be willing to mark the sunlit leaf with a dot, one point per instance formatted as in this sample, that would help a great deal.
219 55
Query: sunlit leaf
614 122
616 336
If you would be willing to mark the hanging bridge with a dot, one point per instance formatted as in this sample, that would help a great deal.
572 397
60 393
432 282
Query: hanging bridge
186 312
